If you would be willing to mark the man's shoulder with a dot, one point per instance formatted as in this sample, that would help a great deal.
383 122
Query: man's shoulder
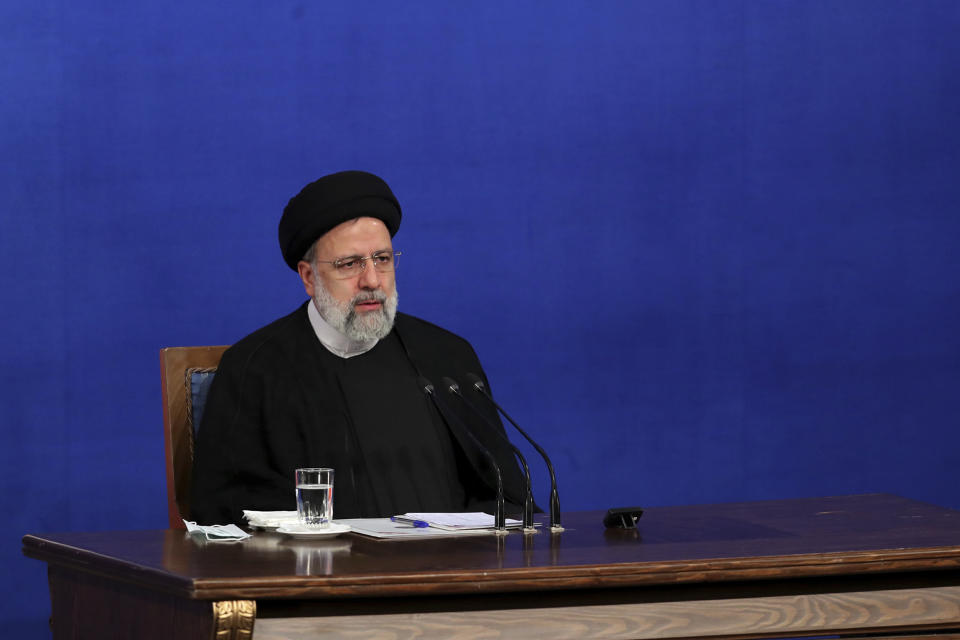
277 339
418 327
432 339
435 351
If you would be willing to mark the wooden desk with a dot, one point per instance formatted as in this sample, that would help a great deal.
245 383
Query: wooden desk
858 564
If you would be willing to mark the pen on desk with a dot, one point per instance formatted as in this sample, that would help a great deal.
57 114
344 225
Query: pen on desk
419 524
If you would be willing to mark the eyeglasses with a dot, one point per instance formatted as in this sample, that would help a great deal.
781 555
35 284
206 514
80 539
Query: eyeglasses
351 266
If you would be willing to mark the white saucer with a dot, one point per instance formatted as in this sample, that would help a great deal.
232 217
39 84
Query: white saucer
300 531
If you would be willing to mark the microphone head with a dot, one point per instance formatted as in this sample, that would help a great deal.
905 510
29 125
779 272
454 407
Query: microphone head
425 385
476 381
451 385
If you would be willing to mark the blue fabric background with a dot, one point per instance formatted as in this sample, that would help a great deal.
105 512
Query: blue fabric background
705 249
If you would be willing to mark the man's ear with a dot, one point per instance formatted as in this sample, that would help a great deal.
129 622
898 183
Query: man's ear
307 276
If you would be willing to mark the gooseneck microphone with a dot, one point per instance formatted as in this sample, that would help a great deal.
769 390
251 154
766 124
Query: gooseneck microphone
499 517
451 386
555 525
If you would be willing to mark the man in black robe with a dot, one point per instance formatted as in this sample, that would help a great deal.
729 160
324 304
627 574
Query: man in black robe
338 383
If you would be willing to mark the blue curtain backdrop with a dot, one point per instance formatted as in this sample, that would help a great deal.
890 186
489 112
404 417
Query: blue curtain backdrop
705 249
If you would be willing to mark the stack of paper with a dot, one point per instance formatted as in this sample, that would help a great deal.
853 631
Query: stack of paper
455 521
270 519
437 525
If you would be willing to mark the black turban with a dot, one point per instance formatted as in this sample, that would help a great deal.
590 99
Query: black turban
325 203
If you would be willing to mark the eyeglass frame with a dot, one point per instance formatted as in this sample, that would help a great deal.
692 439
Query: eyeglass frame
363 263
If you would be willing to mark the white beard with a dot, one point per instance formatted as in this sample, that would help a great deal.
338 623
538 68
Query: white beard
359 327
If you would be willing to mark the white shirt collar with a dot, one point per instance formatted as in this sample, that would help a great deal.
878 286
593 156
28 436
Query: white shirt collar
334 341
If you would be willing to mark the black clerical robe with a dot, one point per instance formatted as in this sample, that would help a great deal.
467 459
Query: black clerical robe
280 401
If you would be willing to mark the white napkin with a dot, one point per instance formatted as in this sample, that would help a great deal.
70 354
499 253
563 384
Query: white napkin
270 518
218 532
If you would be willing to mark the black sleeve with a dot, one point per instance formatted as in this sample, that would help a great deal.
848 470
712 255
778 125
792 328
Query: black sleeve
235 466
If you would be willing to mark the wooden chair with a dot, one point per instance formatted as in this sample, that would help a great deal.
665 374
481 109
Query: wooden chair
186 373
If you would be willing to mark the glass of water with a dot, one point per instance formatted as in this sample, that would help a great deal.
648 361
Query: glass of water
315 496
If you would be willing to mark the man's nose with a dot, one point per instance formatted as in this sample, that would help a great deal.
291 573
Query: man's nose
369 277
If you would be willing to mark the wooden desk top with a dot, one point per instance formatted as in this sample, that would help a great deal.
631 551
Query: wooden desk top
775 540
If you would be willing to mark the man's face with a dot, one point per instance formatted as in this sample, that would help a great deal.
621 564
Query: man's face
362 306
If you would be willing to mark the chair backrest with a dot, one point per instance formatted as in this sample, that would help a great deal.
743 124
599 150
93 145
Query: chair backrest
186 373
